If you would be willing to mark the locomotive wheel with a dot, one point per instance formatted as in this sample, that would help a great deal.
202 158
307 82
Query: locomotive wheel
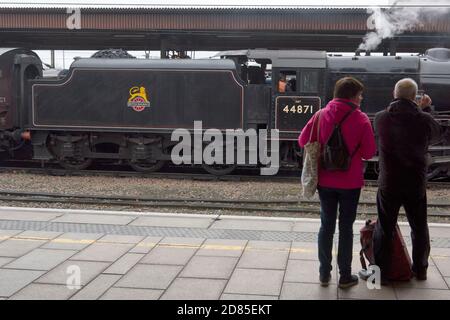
75 164
219 169
144 166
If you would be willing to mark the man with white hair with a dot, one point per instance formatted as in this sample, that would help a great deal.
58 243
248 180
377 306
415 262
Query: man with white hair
404 130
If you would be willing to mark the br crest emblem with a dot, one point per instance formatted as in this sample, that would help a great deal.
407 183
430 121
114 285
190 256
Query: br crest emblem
138 99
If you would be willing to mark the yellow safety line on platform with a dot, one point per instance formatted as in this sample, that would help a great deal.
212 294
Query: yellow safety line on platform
163 245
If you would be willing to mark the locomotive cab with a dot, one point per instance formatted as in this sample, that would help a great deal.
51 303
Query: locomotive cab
290 108
287 109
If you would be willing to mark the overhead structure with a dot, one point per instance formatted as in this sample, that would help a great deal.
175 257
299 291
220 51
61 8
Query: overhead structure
207 28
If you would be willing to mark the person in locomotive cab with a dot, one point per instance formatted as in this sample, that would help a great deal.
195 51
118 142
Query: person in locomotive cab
341 188
282 84
404 130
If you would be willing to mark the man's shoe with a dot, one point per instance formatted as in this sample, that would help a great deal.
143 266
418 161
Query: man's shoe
325 279
421 275
346 282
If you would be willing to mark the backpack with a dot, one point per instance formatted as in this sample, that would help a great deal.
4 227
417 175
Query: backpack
400 266
335 155
366 235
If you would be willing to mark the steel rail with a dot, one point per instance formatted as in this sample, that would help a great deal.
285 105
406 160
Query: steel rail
198 204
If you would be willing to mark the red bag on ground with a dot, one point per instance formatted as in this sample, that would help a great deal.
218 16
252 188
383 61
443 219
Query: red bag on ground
400 268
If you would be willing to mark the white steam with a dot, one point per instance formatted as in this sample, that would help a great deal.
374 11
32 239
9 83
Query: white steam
397 20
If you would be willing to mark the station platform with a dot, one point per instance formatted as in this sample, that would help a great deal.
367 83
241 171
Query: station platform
136 255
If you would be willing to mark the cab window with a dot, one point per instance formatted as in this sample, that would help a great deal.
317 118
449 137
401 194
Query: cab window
309 81
287 81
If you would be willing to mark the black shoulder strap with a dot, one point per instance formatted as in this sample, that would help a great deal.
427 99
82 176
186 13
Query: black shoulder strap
353 106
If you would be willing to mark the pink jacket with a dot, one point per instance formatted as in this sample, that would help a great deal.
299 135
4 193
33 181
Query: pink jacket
356 129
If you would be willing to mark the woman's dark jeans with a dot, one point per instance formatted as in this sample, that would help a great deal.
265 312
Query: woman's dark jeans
330 198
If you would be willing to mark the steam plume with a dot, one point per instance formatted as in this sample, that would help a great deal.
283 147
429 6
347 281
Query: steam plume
389 22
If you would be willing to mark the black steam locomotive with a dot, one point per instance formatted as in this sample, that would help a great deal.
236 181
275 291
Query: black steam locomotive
126 109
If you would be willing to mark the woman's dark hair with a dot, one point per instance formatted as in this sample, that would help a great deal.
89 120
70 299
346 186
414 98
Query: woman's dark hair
347 88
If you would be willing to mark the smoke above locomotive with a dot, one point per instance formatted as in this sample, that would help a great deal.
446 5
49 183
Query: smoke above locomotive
387 23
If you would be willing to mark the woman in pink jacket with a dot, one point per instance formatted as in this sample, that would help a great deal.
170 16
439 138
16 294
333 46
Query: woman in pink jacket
341 188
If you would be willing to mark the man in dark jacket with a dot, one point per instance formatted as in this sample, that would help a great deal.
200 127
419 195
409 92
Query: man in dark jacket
404 131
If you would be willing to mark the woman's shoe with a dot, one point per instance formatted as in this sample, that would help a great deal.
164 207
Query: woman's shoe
325 279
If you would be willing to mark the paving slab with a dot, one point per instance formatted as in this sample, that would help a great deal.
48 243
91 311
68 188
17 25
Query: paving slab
307 291
18 247
60 275
173 222
172 255
146 245
361 291
97 287
6 234
434 281
305 226
72 241
439 232
124 264
12 280
443 264
4 261
269 245
222 248
113 238
435 232
422 294
231 296
447 280
259 258
94 219
179 241
440 252
131 294
252 224
38 235
304 251
27 215
103 252
146 276
41 259
304 271
255 281
36 291
194 289
209 267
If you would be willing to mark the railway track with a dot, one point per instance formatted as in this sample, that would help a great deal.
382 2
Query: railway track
170 172
436 209
289 176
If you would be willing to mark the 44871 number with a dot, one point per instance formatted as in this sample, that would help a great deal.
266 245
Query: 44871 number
298 109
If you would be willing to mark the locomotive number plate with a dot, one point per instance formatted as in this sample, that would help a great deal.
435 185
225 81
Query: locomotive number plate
293 112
